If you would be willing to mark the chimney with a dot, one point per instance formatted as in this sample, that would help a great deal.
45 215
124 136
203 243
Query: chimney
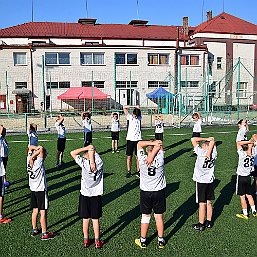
209 15
185 26
87 21
138 22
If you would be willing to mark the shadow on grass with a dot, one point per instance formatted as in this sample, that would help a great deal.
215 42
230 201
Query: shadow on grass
168 147
218 143
176 155
120 148
133 214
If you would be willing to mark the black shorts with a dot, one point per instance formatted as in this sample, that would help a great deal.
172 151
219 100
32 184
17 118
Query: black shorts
154 200
39 200
254 172
61 144
131 147
115 135
90 207
5 160
243 185
159 136
88 138
196 134
204 192
2 186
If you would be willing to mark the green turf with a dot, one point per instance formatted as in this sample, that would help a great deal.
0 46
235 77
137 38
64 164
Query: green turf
120 223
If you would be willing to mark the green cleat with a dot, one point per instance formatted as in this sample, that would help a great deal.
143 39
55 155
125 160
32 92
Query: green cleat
242 216
140 244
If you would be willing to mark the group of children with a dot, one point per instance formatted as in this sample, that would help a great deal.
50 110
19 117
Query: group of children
150 170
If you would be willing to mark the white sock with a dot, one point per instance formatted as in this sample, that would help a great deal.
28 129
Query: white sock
253 208
245 212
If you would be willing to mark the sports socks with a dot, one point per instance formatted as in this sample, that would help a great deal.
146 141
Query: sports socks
245 212
142 239
160 239
253 208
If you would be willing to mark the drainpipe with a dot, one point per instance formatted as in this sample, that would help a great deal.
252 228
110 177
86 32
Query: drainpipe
32 75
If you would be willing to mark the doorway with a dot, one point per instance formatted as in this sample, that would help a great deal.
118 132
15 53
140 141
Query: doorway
22 103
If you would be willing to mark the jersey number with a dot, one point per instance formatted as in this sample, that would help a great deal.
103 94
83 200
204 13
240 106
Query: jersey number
151 171
208 163
248 162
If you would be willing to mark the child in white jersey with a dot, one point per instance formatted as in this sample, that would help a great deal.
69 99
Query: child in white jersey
243 130
204 178
197 129
90 200
244 169
254 152
115 130
152 189
32 134
86 122
133 136
159 127
38 187
61 141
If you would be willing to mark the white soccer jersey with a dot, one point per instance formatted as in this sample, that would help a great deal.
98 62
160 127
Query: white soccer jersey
60 130
91 183
204 168
2 169
37 175
4 150
241 134
197 126
151 178
87 125
245 163
115 125
134 128
159 126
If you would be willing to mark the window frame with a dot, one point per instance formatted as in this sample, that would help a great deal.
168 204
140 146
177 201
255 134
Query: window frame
156 84
97 83
219 63
15 59
92 58
57 59
20 82
244 91
126 58
189 83
157 57
189 60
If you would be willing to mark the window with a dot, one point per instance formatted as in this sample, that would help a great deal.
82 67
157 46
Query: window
54 85
64 84
126 84
20 58
189 84
219 63
91 58
242 90
158 84
158 59
98 84
189 60
57 58
20 85
126 58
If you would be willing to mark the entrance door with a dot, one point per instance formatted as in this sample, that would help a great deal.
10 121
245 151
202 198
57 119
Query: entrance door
21 103
123 96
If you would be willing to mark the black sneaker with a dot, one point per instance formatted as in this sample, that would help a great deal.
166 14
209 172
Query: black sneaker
138 174
161 244
128 175
208 224
199 226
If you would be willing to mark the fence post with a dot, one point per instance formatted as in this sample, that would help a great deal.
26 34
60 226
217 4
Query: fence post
115 84
43 82
26 121
92 102
238 88
130 89
179 88
7 95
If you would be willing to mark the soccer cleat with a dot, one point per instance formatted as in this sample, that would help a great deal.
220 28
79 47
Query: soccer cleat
242 216
128 175
117 151
87 242
6 184
161 244
199 226
138 174
34 232
208 224
113 151
49 235
4 220
254 214
99 244
140 244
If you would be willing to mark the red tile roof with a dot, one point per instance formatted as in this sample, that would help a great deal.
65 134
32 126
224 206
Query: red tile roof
226 23
77 30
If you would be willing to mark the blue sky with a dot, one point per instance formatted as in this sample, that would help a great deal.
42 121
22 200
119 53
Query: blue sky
162 12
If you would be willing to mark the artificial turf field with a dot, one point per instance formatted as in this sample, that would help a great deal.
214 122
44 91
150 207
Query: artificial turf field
120 224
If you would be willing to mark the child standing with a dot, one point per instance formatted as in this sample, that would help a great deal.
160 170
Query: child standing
204 178
254 152
86 122
243 130
115 130
90 200
32 134
3 220
159 127
152 189
61 141
38 187
197 129
243 185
